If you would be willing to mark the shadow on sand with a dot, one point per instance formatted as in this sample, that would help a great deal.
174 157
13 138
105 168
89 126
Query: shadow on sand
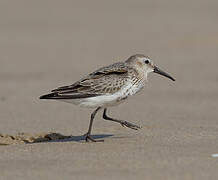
57 137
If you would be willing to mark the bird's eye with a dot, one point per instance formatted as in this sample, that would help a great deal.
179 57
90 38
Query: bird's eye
146 61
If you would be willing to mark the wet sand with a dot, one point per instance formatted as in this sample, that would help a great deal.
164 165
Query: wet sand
46 44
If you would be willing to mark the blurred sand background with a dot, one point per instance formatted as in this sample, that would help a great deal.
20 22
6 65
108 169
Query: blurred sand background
49 43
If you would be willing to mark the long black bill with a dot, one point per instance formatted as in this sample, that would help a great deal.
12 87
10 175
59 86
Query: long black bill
159 71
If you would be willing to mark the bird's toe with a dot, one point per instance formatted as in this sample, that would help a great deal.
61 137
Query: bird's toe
130 125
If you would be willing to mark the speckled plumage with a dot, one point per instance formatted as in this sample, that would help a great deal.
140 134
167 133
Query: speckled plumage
108 86
114 83
106 80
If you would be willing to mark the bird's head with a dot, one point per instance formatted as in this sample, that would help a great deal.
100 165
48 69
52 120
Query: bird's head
145 64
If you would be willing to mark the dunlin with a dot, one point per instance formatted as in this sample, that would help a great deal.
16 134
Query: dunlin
108 86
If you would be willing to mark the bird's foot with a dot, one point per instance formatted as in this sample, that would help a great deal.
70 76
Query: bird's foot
89 138
130 125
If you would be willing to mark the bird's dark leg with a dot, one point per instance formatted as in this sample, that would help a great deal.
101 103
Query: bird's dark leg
87 135
123 123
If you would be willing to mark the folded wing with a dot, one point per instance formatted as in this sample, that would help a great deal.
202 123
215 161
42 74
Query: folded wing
106 80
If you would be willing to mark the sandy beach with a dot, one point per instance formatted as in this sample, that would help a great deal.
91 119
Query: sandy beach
47 44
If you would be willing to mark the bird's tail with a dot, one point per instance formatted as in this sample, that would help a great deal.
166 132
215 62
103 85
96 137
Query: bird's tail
49 96
56 95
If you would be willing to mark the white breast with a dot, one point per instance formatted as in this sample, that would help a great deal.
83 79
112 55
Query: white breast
135 87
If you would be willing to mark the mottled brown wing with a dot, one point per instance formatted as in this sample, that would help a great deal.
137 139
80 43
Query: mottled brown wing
106 80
